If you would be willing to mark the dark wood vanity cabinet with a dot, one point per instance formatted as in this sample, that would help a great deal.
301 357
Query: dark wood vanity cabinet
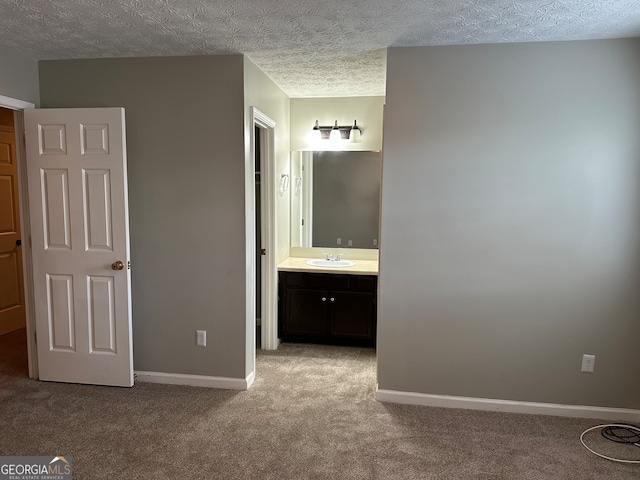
327 308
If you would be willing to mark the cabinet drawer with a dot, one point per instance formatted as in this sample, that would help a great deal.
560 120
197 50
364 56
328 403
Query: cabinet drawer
314 280
364 283
291 279
330 281
325 280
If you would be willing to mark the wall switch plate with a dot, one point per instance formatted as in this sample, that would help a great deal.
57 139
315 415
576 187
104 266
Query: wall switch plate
349 243
339 241
375 242
201 338
588 363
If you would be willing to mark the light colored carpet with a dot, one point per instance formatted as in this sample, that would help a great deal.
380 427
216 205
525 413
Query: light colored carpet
311 414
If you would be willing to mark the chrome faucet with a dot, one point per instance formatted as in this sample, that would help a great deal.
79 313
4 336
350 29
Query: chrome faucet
332 258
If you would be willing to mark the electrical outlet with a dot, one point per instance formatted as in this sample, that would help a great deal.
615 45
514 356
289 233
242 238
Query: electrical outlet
588 362
201 338
375 242
339 241
349 243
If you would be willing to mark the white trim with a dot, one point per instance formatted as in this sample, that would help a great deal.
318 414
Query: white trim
196 380
14 103
27 258
250 378
307 199
269 325
511 406
29 301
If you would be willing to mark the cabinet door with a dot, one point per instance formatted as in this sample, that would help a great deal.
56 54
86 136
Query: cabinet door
305 312
351 315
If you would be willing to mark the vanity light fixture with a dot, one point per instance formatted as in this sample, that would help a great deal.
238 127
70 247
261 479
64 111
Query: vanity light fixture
353 133
316 134
335 136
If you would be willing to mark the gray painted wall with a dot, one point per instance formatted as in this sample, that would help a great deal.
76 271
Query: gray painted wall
511 222
262 93
185 139
18 77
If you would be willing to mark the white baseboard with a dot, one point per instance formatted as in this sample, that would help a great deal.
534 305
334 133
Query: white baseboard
511 406
196 380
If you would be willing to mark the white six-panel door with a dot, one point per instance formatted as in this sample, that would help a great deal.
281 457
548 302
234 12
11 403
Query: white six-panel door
77 177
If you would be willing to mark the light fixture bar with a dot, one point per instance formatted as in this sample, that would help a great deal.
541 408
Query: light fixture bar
325 130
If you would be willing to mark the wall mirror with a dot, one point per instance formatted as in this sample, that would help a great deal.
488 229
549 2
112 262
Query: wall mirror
335 199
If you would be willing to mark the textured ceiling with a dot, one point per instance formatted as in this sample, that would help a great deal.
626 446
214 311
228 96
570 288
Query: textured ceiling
308 47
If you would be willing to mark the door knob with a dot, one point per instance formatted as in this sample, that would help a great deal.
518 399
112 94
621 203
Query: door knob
119 265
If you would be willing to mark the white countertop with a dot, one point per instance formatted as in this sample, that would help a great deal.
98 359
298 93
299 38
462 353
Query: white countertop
299 264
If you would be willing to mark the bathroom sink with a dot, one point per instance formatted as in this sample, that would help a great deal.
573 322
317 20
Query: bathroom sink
321 262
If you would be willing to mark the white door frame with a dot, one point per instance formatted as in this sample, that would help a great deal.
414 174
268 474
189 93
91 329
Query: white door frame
269 300
307 199
18 106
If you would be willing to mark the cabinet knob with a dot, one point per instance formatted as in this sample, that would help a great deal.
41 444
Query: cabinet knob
333 299
324 299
